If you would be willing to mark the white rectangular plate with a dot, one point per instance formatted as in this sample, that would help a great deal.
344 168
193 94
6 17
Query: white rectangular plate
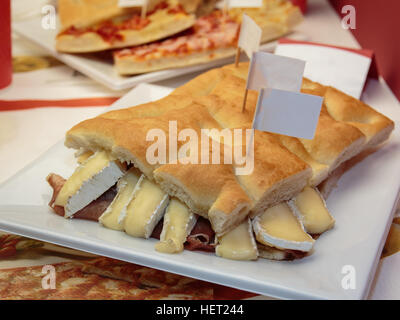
102 70
362 205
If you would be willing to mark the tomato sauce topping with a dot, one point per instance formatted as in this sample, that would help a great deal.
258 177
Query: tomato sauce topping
209 32
110 30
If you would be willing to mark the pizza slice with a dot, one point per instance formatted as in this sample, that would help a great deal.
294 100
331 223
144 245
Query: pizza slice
25 283
100 279
11 244
90 26
213 36
158 284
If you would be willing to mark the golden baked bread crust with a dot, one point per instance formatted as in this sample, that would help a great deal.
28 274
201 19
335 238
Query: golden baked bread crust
375 126
283 166
320 170
334 141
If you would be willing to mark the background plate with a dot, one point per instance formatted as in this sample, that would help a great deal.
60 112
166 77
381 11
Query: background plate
102 70
362 205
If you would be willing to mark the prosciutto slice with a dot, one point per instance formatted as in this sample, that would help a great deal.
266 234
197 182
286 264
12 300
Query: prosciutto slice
92 212
202 236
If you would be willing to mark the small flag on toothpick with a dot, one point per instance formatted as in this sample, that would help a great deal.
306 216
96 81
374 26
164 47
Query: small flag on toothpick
249 38
241 3
225 9
227 4
246 3
289 113
281 107
269 70
272 71
135 3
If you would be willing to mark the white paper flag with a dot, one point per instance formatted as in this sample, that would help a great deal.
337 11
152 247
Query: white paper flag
288 113
132 3
250 36
240 4
272 71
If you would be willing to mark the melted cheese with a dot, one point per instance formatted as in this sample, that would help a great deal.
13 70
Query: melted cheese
178 223
82 158
87 170
311 209
209 32
278 227
89 181
238 244
145 210
126 188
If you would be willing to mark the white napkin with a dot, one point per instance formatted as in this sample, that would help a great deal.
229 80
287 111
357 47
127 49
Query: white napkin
26 134
342 69
56 83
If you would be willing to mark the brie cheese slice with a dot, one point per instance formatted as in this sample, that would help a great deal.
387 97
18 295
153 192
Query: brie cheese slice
89 181
82 157
271 253
238 244
145 210
126 187
278 227
178 224
310 208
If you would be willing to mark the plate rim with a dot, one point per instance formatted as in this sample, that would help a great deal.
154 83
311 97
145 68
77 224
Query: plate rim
282 292
128 82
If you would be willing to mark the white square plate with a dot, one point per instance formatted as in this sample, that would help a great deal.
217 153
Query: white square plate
102 70
362 205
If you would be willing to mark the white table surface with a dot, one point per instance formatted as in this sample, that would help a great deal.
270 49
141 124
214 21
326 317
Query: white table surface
24 135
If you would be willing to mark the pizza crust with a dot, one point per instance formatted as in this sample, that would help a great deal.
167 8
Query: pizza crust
84 13
275 22
162 25
126 65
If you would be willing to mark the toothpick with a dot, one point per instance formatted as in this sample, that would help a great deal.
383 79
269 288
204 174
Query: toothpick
237 60
144 10
245 100
225 11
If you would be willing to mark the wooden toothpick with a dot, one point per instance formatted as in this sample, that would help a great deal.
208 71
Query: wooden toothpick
245 100
225 12
237 60
226 6
144 9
